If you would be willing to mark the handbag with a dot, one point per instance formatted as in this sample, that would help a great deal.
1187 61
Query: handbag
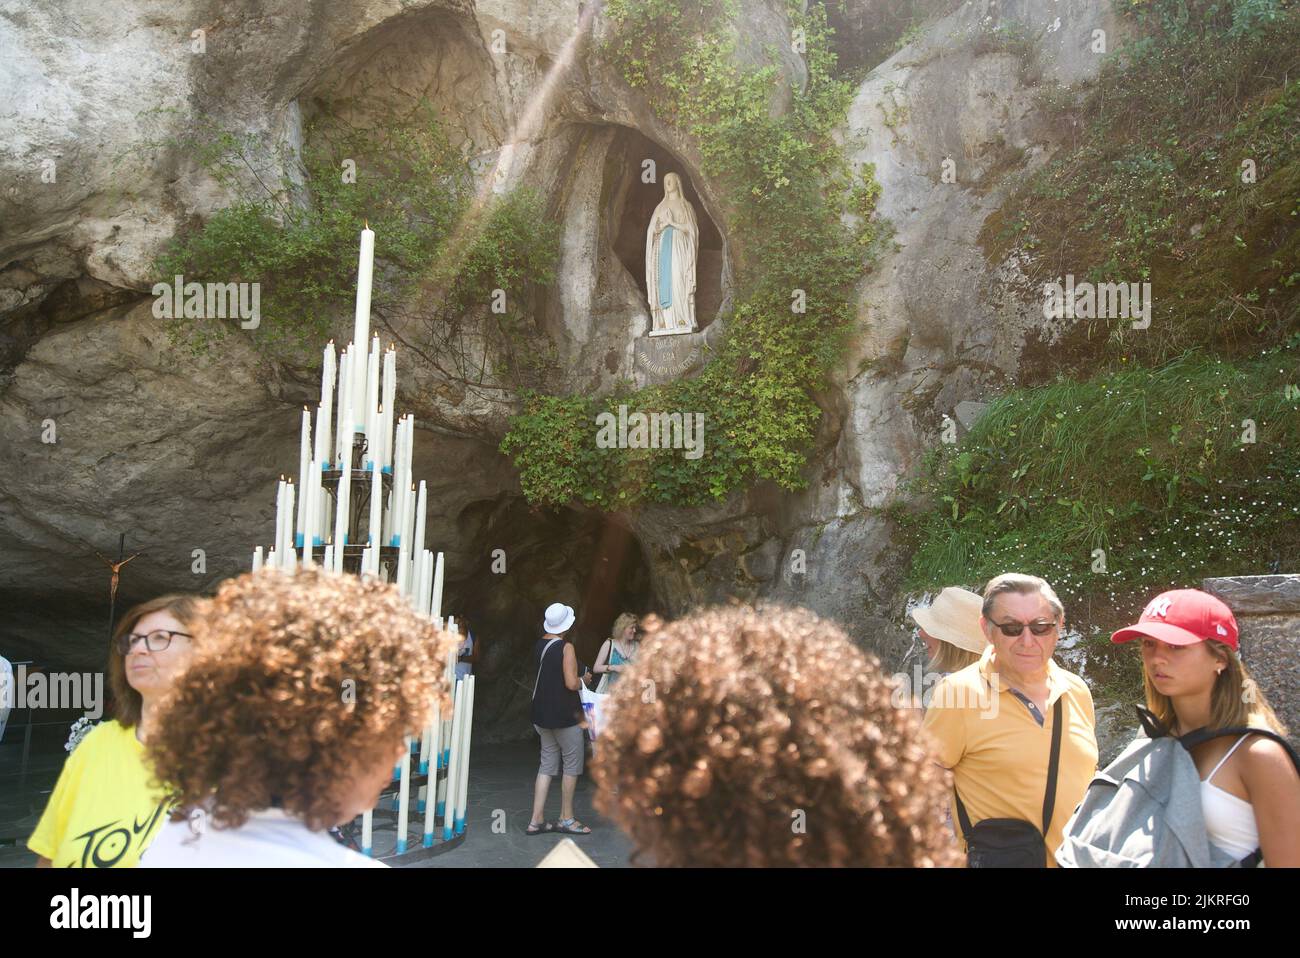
1013 842
593 707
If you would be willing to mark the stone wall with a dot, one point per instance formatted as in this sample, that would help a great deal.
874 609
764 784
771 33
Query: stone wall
1267 608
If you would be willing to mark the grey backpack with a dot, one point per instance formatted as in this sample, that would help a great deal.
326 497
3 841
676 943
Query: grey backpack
1144 809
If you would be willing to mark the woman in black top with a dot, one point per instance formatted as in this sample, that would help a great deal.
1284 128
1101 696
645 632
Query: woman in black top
557 717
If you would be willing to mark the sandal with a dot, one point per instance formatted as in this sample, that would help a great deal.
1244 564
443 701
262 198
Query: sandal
541 829
571 826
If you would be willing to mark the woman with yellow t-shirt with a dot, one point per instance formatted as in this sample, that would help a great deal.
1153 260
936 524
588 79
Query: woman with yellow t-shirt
104 812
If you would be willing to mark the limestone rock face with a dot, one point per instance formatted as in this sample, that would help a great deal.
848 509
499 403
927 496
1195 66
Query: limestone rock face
182 454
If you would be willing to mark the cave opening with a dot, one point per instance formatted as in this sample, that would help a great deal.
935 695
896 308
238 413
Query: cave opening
515 562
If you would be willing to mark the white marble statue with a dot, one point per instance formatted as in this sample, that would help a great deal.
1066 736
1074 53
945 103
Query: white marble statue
670 247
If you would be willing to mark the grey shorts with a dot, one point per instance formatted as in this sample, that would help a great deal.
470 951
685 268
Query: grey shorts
561 741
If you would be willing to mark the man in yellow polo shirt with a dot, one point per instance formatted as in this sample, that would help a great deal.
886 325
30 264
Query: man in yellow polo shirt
991 723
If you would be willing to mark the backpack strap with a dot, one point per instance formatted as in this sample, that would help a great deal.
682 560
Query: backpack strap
1201 735
1151 723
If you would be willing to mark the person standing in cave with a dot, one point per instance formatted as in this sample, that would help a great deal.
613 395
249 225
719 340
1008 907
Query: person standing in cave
618 652
467 651
557 718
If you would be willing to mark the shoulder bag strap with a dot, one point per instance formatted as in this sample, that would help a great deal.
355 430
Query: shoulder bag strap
1053 765
962 818
540 662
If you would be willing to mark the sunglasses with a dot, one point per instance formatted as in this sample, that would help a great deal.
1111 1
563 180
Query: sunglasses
154 641
1013 629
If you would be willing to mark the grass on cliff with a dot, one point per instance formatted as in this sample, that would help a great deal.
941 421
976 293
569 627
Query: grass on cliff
1180 167
1174 473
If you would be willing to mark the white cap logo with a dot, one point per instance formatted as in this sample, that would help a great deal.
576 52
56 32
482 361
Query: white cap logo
1220 629
1159 607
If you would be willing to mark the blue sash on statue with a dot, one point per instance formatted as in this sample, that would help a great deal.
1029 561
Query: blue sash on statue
666 268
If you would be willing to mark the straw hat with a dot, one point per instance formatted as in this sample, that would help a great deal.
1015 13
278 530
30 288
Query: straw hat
954 617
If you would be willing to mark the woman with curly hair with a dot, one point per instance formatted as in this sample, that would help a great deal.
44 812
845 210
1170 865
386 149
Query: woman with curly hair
290 718
765 737
105 810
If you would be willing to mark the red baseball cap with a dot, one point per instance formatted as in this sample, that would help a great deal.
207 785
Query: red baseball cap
1183 617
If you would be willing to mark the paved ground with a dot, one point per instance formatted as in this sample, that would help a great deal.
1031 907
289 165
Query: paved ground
501 778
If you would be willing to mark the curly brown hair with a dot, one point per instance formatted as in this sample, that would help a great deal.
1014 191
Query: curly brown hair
733 721
293 677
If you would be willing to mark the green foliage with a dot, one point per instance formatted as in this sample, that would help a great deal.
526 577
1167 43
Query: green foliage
300 243
1155 188
785 186
1148 464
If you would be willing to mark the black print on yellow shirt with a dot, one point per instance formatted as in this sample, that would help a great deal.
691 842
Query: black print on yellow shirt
106 845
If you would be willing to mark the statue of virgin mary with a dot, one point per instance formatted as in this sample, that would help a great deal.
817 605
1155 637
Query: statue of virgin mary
670 248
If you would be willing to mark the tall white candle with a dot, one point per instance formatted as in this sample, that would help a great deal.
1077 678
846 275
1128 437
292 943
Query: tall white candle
372 401
361 322
435 609
367 832
404 797
328 560
288 558
304 460
279 517
435 763
342 432
463 774
343 508
324 452
426 591
257 558
453 770
399 484
376 512
389 398
309 512
417 544
409 533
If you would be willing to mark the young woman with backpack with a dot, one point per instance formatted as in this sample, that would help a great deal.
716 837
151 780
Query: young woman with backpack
1200 696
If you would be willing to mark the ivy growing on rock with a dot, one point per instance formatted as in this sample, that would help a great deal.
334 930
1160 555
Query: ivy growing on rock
784 185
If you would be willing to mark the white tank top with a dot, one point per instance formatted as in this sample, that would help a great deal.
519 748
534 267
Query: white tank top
1229 820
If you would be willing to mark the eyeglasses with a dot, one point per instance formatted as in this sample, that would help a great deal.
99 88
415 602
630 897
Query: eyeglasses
154 641
1013 629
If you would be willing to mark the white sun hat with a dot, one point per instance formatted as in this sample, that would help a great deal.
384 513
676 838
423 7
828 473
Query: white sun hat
559 617
954 617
